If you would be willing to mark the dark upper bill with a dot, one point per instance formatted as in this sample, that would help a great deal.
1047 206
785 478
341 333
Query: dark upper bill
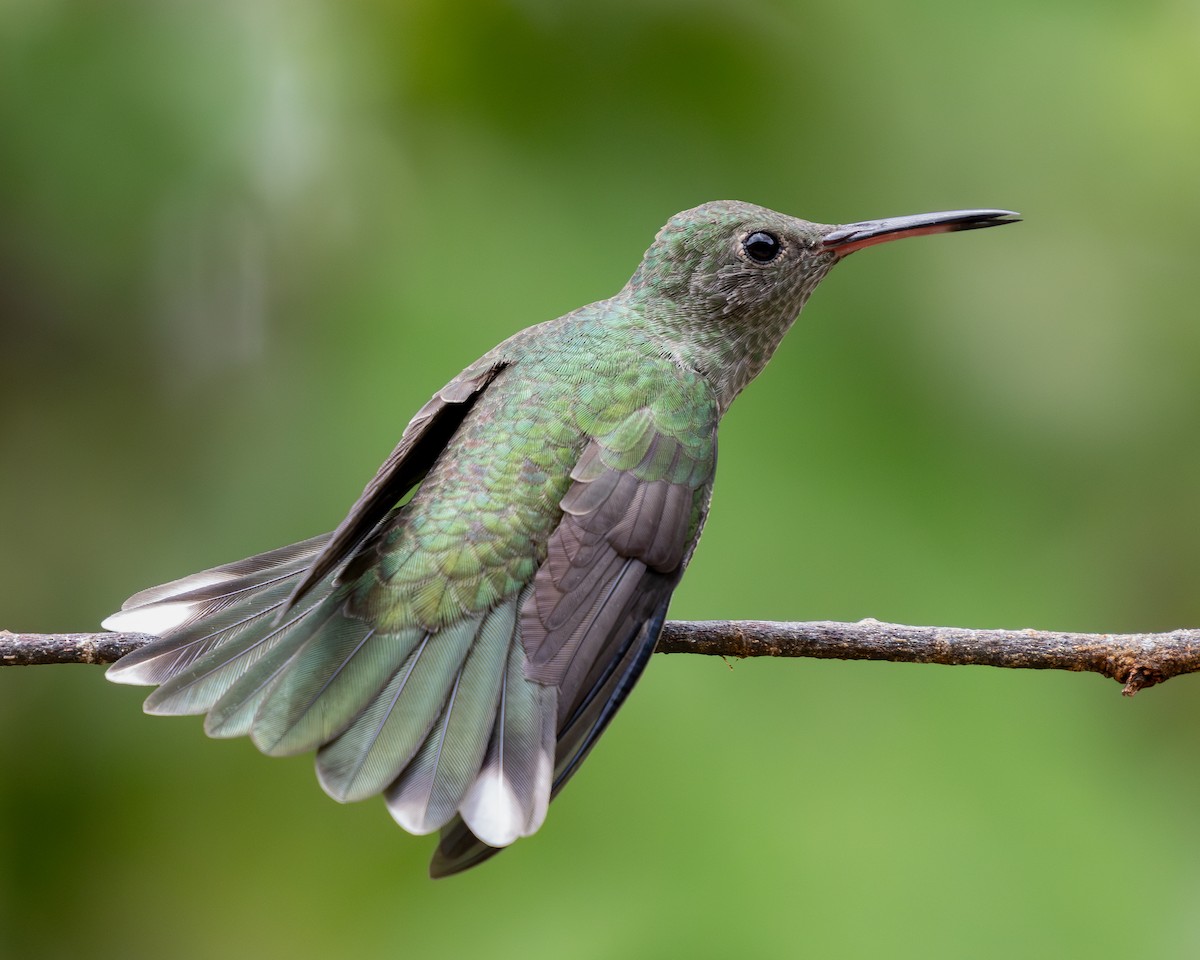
846 239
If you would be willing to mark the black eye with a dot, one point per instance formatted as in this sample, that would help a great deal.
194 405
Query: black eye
761 247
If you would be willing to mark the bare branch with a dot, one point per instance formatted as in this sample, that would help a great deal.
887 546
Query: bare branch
1136 660
36 649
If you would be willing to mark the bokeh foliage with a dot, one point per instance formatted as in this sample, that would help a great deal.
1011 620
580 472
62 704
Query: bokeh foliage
241 242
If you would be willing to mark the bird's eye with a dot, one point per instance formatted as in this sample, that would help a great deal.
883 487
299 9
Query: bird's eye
761 247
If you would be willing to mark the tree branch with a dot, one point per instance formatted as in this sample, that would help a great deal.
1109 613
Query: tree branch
1136 660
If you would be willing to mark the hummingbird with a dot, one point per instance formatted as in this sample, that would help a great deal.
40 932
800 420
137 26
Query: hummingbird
462 639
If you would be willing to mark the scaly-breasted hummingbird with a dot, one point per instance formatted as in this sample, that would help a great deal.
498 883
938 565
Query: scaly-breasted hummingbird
465 635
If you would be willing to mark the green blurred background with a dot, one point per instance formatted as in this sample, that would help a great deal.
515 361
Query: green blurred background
241 242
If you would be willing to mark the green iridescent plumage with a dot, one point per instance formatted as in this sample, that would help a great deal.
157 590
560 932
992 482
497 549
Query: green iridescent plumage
468 631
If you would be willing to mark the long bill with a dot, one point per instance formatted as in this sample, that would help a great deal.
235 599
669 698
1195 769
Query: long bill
844 240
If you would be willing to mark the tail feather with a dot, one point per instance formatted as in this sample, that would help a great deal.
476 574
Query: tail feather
374 750
427 794
196 616
458 850
202 631
327 686
296 554
232 653
331 680
509 797
475 835
447 724
249 676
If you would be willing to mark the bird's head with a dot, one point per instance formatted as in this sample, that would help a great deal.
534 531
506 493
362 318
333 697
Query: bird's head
727 279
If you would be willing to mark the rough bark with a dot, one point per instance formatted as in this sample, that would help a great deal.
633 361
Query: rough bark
1135 660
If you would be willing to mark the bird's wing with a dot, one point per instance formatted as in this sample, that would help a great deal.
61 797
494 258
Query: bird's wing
423 440
634 509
